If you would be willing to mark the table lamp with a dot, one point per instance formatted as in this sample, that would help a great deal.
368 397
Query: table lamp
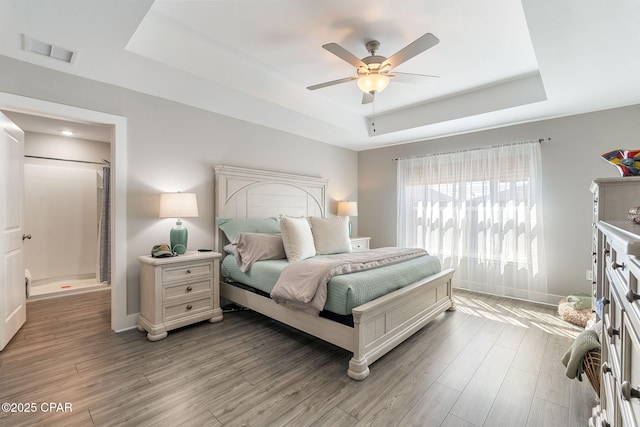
178 205
347 208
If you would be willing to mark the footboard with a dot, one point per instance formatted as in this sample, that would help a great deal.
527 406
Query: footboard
382 324
379 325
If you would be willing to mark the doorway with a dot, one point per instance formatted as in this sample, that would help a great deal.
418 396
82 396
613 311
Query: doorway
66 207
121 320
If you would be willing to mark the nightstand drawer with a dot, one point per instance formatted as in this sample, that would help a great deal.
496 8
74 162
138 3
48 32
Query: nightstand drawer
184 289
186 272
173 312
360 242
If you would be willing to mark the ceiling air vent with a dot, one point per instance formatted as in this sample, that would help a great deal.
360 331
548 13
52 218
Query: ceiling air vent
50 50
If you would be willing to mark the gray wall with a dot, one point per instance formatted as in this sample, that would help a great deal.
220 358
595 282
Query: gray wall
570 161
174 147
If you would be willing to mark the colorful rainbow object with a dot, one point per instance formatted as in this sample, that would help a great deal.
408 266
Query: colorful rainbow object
627 161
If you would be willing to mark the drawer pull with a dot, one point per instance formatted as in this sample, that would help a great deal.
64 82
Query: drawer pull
189 307
605 301
607 252
189 288
606 369
632 296
189 271
612 331
629 392
616 266
604 423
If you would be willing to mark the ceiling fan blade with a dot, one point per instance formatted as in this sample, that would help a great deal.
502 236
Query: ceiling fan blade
344 54
367 98
411 78
416 47
331 83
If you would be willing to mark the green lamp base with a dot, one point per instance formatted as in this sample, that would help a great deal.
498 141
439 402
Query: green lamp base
178 238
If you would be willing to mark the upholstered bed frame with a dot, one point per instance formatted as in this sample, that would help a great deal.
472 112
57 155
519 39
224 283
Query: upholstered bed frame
379 325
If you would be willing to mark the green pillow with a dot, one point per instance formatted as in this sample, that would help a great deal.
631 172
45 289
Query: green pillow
231 227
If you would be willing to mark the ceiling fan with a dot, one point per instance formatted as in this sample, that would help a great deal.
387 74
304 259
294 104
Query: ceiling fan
374 70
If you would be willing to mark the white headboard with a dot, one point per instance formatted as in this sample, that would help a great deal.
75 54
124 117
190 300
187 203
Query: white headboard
251 193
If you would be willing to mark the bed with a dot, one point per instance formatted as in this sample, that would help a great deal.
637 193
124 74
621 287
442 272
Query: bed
375 327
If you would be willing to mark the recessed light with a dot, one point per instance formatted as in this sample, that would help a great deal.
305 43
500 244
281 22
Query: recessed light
66 133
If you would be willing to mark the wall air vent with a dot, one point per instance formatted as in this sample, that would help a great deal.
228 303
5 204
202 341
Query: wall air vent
52 51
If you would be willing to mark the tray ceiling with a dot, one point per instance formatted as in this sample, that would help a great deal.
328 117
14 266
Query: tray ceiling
499 62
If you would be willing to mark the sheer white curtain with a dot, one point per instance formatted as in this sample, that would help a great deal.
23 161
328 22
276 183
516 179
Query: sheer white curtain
480 212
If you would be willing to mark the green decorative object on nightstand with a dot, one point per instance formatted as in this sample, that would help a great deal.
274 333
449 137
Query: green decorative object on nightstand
178 237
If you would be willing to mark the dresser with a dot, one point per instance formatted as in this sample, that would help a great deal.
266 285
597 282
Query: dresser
616 269
612 199
178 291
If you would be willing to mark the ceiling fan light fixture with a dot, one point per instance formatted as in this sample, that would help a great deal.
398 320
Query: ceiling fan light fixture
372 71
373 82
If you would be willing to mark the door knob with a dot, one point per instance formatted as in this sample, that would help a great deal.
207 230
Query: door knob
26 236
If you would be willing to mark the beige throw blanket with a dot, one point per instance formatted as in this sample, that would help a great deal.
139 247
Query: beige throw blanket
303 285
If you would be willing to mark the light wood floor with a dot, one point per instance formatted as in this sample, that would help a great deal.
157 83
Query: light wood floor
493 362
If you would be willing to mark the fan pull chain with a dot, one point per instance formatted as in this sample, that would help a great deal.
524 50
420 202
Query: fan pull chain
373 115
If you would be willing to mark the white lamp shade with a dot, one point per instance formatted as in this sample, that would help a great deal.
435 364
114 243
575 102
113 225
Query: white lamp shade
178 205
347 208
373 82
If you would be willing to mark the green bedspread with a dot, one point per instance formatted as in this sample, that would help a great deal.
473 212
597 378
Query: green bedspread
346 291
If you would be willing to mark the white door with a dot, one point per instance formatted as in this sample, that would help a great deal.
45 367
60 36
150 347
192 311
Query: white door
13 307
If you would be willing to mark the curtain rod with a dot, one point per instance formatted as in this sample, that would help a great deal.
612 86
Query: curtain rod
539 140
103 162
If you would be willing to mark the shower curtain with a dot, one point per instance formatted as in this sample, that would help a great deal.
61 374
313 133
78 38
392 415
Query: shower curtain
104 235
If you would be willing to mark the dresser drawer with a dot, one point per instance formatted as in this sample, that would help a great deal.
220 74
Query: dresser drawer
170 274
610 401
185 309
187 289
632 293
618 266
612 323
630 380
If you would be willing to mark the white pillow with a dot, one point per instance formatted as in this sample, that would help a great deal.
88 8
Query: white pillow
297 238
331 235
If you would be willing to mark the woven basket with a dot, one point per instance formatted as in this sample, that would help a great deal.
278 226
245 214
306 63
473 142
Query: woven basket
591 363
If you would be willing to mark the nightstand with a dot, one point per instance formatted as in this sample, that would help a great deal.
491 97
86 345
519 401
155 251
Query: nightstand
360 242
178 291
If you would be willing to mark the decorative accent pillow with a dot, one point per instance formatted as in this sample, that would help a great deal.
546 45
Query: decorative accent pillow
297 238
252 247
331 235
231 227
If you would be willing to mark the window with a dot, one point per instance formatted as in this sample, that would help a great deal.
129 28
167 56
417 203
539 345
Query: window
480 212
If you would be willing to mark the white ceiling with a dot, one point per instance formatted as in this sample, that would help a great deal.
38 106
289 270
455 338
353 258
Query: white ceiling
499 62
